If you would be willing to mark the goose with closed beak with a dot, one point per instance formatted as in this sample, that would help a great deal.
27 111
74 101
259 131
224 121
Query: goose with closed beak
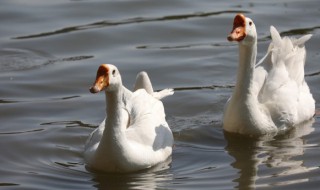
135 135
272 95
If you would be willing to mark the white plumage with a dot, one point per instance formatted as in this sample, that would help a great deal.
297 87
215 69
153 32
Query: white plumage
135 134
270 96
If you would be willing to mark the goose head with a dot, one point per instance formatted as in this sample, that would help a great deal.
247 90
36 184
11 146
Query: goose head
108 78
244 30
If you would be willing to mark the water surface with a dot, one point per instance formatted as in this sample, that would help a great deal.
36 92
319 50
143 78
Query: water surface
49 53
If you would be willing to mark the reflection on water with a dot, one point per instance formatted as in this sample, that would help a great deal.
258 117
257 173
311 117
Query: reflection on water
147 179
277 157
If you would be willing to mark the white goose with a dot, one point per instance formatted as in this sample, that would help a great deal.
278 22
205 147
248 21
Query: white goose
135 134
270 96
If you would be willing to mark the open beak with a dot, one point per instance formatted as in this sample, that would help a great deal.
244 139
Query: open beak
102 79
238 32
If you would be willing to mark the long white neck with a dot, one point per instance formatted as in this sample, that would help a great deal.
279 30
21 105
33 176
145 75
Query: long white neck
117 120
113 142
115 109
247 60
114 105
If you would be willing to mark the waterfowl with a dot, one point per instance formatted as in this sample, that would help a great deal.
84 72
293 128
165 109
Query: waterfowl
135 135
272 95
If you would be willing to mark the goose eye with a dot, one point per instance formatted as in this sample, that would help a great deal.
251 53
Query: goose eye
113 72
250 23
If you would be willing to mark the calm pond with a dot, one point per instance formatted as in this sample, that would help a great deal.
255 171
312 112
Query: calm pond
49 54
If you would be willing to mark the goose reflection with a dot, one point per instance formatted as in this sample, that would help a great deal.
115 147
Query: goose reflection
272 156
146 179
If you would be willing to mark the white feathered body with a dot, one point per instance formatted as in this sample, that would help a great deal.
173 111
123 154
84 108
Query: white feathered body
143 141
278 96
135 134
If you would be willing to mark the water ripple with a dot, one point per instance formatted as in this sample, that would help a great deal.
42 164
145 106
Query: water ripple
8 101
70 124
12 59
293 32
8 184
202 87
185 46
20 132
135 20
300 31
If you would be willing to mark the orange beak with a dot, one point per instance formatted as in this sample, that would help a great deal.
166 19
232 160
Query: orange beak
238 32
102 79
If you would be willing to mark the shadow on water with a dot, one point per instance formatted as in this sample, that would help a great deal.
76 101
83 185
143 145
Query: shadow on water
279 154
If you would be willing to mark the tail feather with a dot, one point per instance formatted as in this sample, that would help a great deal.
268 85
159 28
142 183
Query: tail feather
163 93
302 40
143 82
276 38
290 52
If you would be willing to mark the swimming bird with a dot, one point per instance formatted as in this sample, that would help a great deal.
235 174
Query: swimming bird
272 95
134 135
